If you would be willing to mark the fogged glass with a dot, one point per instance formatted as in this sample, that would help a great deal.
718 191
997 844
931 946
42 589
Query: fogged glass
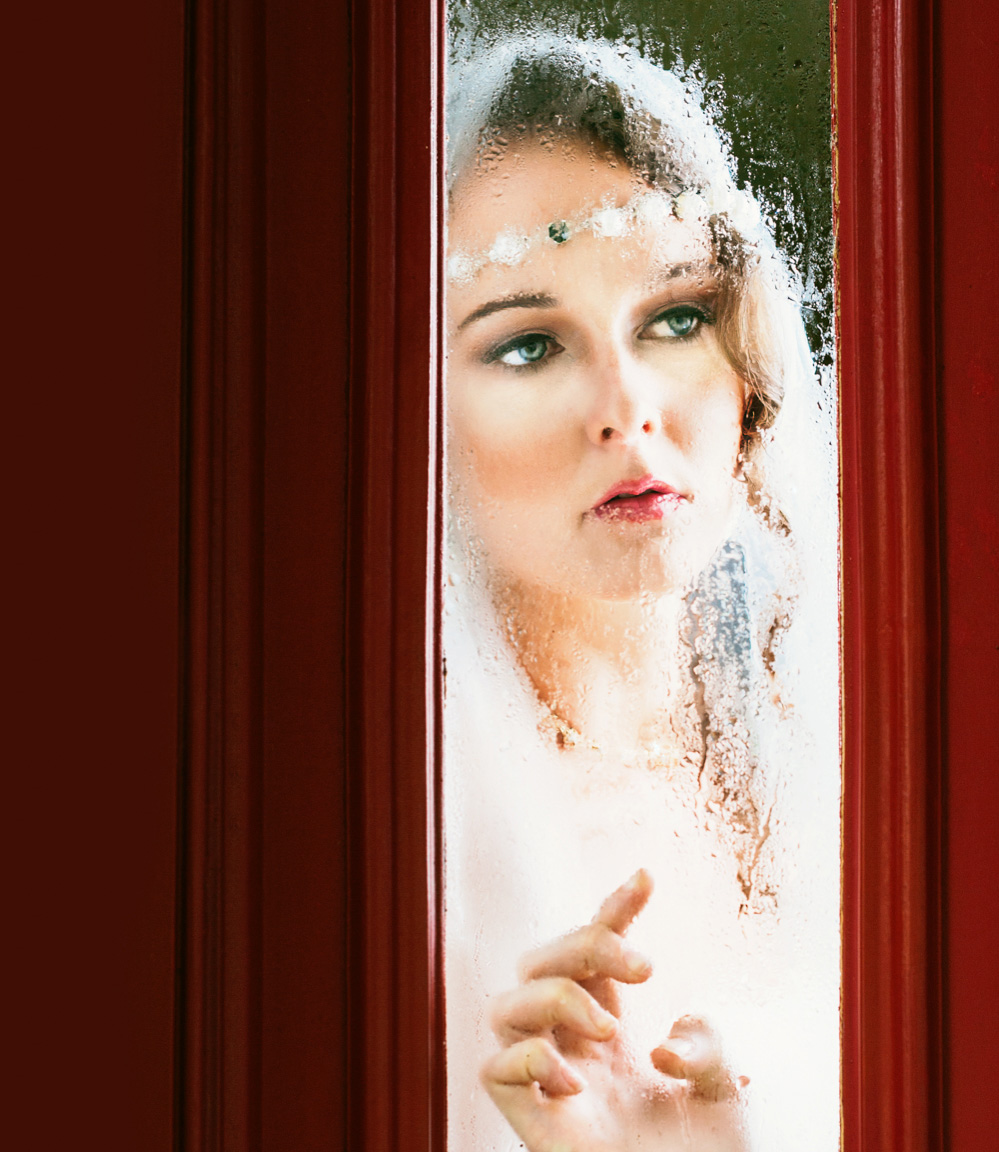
641 784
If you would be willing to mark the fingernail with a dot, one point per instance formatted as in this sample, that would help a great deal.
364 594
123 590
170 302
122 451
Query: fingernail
680 1046
636 964
637 881
603 1022
573 1081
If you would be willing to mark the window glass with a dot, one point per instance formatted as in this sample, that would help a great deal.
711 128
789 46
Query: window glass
642 772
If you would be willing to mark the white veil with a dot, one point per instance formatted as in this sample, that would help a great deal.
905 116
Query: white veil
502 789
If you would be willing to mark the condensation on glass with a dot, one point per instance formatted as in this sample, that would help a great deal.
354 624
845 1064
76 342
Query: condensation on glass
642 763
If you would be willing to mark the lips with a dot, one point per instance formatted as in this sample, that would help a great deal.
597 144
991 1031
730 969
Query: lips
639 500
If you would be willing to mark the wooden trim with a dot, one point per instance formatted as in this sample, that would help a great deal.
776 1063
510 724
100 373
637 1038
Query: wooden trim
262 987
396 1022
218 996
892 1067
385 1063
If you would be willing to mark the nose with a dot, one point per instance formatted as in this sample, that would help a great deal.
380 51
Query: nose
624 407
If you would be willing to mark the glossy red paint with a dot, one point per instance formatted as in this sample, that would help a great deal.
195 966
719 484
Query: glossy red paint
892 1042
918 125
262 987
309 997
395 1033
219 991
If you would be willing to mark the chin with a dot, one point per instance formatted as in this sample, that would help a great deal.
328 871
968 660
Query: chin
659 567
642 586
669 567
647 577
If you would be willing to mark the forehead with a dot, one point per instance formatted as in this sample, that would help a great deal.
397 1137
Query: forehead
501 211
532 183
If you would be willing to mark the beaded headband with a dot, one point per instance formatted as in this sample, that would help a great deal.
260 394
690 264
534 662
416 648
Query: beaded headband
647 209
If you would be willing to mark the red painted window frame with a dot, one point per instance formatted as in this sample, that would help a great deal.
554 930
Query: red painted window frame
891 617
309 1001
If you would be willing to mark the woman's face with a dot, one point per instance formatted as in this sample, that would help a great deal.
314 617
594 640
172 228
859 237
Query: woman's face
594 421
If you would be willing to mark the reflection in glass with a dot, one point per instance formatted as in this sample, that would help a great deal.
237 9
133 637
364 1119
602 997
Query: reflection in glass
641 721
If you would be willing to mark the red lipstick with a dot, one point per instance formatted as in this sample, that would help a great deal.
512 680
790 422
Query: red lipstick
639 500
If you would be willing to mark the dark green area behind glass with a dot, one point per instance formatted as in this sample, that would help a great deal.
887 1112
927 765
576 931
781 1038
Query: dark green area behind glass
763 66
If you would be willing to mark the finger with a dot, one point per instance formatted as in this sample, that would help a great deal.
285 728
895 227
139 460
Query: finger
513 1078
552 1002
693 1052
595 950
624 904
534 1061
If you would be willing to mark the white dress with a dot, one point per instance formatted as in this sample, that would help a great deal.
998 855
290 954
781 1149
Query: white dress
536 837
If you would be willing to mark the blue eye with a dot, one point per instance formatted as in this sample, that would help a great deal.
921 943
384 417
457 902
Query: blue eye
525 350
677 323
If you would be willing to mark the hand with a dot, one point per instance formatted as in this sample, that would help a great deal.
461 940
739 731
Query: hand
566 1078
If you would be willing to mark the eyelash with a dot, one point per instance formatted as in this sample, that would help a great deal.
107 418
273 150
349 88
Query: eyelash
519 342
701 314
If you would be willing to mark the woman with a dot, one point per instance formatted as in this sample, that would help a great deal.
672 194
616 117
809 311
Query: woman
623 554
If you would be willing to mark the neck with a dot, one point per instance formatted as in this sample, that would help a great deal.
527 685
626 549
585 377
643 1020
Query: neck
609 668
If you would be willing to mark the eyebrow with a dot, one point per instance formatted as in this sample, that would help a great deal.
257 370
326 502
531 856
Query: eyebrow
692 268
518 300
545 300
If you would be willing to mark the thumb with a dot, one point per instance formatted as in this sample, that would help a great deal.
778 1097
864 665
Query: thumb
693 1052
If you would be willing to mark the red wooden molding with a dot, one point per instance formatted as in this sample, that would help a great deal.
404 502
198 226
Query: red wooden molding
262 991
892 1069
396 994
219 990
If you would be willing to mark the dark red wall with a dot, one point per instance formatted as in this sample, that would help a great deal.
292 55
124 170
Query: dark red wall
93 252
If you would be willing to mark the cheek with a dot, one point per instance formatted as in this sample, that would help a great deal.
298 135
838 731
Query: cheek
720 450
717 432
506 451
